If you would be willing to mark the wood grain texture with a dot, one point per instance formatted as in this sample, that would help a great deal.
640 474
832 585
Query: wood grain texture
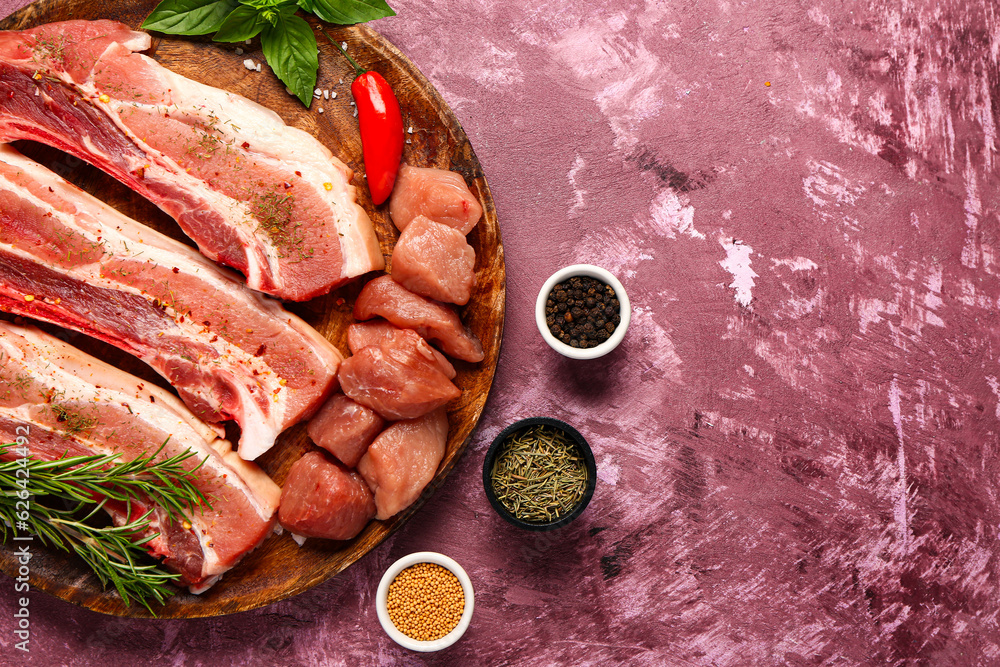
279 568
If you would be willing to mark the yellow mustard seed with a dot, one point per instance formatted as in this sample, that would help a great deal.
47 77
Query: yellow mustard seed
425 601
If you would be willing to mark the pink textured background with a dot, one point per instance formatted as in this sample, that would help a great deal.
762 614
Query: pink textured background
797 441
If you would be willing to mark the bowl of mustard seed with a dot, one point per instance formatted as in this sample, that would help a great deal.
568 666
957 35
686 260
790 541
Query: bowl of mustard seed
582 311
539 474
425 601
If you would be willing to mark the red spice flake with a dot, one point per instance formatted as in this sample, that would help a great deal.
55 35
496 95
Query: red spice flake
246 145
175 270
261 350
340 301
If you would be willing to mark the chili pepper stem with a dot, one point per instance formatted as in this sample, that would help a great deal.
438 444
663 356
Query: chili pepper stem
358 70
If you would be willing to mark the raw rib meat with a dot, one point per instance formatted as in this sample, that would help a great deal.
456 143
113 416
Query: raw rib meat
322 498
432 320
345 428
438 194
397 382
254 193
69 259
435 261
403 460
379 332
67 403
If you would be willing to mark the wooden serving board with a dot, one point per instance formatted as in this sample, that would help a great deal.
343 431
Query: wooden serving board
279 568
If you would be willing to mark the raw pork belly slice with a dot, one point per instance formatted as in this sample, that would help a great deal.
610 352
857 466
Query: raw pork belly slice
67 403
69 259
435 261
434 321
379 332
438 194
345 428
254 193
403 460
397 382
322 498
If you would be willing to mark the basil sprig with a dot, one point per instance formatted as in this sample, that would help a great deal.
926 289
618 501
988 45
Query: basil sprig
289 43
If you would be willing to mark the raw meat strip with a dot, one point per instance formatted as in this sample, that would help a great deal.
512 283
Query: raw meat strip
438 194
322 498
434 321
67 403
345 428
435 261
69 259
397 383
254 193
403 460
384 334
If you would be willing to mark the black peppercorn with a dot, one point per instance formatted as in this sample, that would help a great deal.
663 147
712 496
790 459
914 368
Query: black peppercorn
582 312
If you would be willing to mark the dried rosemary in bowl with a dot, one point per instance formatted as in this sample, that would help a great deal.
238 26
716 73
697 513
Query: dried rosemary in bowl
539 475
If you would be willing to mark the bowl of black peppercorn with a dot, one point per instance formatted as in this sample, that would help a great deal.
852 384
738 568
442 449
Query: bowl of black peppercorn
582 311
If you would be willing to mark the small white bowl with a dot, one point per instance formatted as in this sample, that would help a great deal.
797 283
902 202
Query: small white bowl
576 352
383 593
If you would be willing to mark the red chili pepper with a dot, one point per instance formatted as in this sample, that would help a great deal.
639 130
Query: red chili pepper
381 128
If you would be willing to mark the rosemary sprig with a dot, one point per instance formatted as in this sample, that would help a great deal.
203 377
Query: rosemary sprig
64 497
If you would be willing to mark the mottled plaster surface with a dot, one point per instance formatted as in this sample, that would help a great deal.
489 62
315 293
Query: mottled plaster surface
798 439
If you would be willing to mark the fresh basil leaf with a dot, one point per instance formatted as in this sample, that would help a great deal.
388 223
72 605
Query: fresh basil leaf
265 4
291 51
189 17
347 12
242 24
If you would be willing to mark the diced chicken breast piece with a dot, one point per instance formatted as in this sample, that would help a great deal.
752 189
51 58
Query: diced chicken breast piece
379 332
439 194
345 428
321 498
433 320
403 460
397 383
435 261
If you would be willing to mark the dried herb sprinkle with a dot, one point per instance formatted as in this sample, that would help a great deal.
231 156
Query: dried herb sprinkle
539 475
582 311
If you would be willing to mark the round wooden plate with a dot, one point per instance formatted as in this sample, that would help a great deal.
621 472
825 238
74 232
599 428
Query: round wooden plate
279 568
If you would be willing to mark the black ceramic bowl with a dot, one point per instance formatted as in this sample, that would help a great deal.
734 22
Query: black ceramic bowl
497 446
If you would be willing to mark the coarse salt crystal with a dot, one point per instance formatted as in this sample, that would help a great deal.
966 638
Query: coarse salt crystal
333 95
409 130
344 45
317 92
248 42
321 109
342 81
258 67
249 64
355 113
239 51
326 94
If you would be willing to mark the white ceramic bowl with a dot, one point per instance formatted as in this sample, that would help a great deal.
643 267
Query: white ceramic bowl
576 352
383 594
